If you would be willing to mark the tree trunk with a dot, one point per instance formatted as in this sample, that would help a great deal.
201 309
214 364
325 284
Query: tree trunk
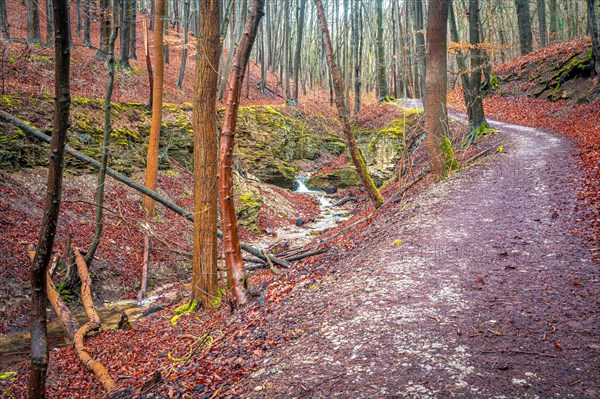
104 29
86 23
157 94
357 53
39 338
475 106
553 20
524 24
33 23
186 17
4 25
79 23
439 148
593 7
49 22
541 13
204 262
231 243
148 62
338 85
125 33
382 85
133 31
420 36
105 143
298 49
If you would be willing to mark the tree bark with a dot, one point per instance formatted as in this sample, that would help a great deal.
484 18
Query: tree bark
157 94
553 20
231 243
593 7
204 261
438 144
49 22
541 13
357 53
381 75
105 144
524 24
186 17
104 29
86 23
298 49
33 23
475 105
420 36
126 15
338 86
4 25
148 62
39 338
133 31
94 323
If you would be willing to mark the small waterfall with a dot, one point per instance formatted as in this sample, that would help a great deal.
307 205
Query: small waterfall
320 195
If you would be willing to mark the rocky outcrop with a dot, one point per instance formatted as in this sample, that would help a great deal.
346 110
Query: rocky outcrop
267 140
382 149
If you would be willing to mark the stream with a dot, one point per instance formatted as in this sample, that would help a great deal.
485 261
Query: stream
14 347
298 236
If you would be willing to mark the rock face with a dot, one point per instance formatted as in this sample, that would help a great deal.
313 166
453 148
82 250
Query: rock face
381 148
267 140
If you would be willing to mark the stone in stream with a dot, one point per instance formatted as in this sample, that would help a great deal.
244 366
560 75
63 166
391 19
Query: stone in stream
299 222
330 190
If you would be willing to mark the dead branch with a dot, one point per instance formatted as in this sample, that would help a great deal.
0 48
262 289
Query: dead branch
144 268
68 322
96 367
86 287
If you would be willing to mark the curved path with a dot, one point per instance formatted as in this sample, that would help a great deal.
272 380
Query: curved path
490 295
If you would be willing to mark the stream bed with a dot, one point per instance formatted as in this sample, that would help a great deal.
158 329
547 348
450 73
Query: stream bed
14 347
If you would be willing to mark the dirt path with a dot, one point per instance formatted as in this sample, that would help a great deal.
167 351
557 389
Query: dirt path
488 295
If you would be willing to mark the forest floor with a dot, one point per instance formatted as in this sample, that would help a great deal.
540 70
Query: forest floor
488 294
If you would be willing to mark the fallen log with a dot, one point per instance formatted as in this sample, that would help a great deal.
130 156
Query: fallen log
69 323
129 182
307 254
348 199
95 366
94 324
144 268
86 288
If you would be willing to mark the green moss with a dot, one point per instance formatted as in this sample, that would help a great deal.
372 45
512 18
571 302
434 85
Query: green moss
248 211
474 134
9 101
450 162
189 307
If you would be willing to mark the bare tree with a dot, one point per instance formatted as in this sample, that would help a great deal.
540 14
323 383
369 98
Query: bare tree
439 148
204 262
524 24
338 85
105 143
381 75
39 338
33 23
157 99
231 242
593 7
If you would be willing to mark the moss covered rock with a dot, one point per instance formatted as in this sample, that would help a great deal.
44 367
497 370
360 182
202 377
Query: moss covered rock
341 177
267 140
248 204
